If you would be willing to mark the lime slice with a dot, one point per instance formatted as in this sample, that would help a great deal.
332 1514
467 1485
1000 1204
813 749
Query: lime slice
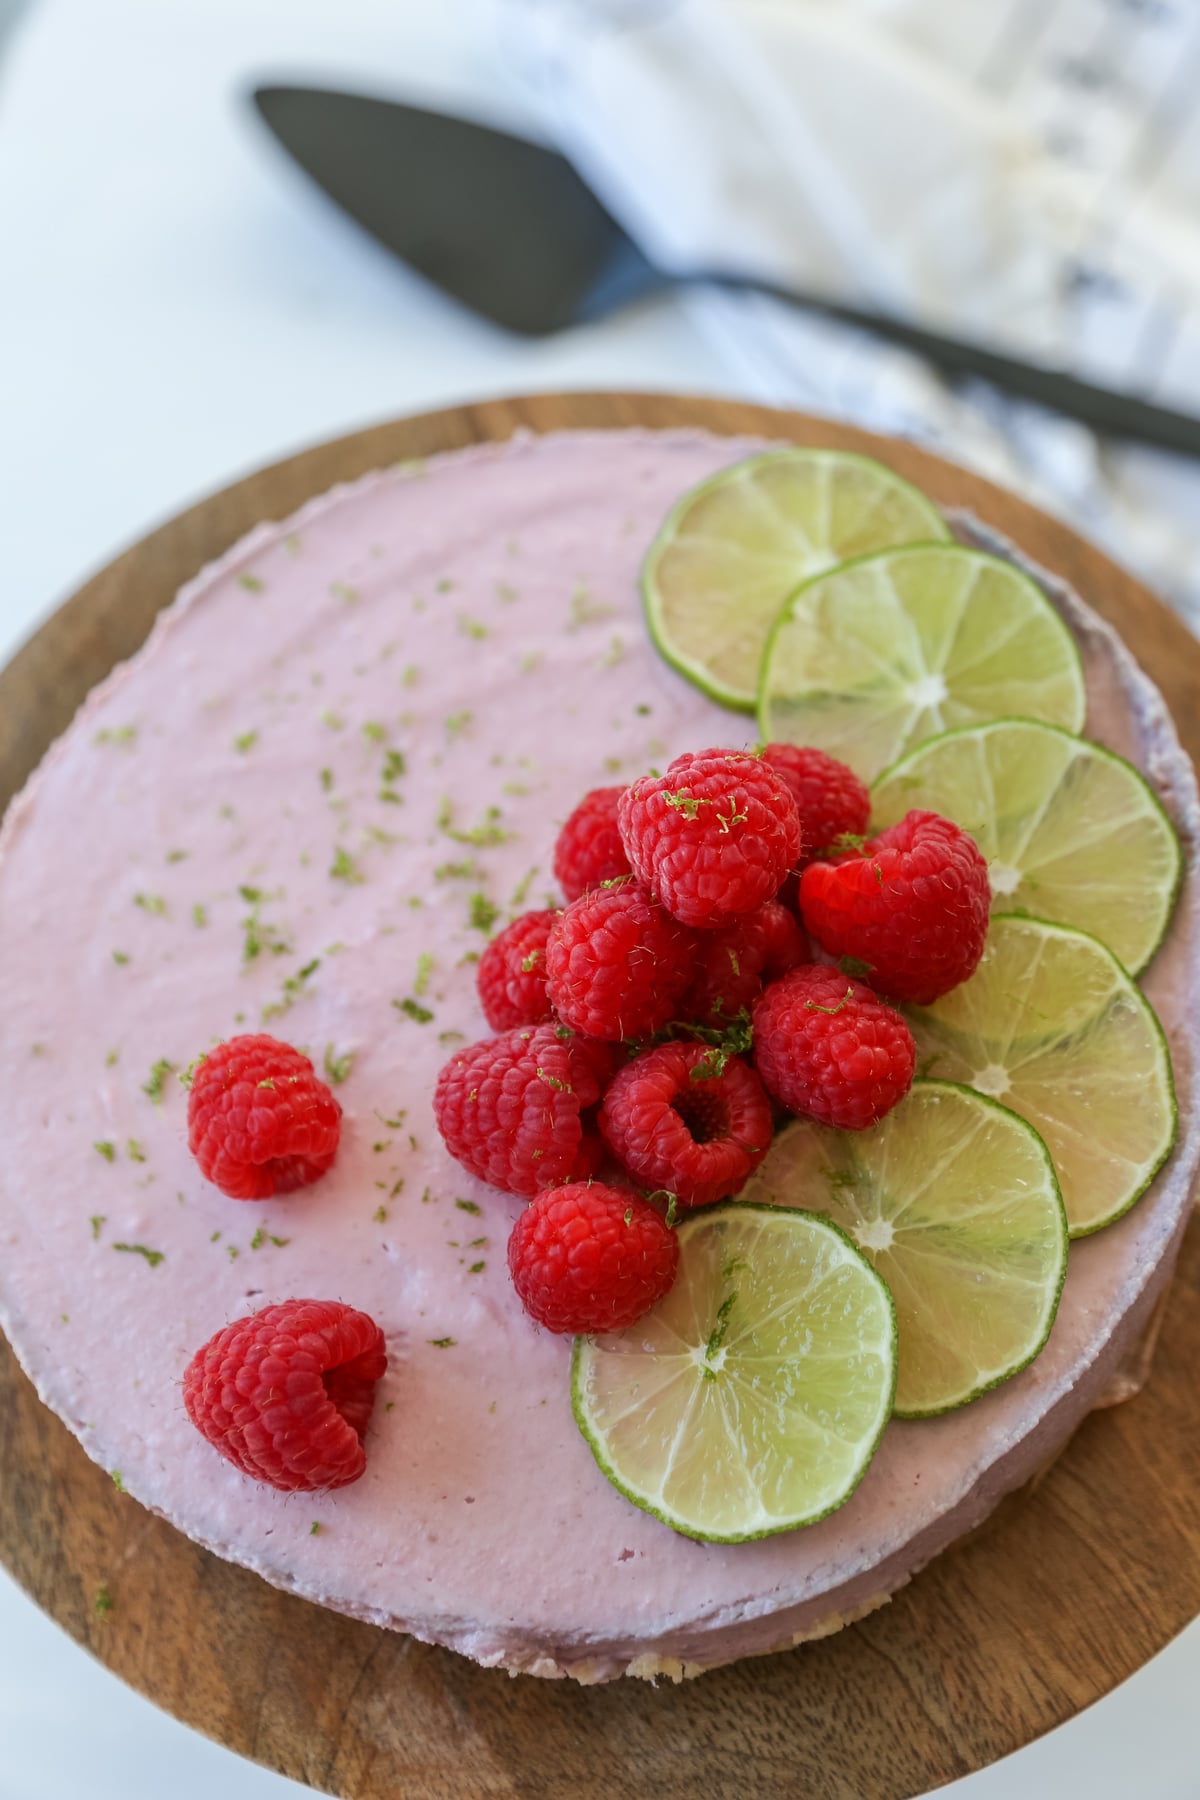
733 549
751 1399
955 1201
1071 832
871 658
1052 1025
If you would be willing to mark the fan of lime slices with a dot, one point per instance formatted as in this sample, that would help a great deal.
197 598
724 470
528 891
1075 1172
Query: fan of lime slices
733 549
751 1399
955 1201
1071 832
1051 1024
877 655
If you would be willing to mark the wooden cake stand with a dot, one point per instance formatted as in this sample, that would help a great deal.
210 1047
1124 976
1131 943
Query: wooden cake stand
1066 1590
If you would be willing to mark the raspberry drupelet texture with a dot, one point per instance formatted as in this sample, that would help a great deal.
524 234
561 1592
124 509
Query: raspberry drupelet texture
286 1395
511 977
911 907
714 837
830 798
827 1047
589 850
508 1110
260 1120
591 1258
675 1123
617 963
733 962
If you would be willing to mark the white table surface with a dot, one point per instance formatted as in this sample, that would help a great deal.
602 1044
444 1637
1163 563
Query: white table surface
176 308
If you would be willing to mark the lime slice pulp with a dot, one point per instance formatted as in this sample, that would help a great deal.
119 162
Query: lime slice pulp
1071 832
1051 1025
954 1200
868 660
751 1399
733 549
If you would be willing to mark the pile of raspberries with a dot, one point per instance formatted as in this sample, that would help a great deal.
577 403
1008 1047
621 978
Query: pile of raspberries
732 949
708 974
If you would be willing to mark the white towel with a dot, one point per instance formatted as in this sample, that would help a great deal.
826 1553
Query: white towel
1024 174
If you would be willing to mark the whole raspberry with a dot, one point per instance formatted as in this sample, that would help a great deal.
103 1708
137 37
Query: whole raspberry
508 1111
511 976
712 838
616 963
591 1258
593 1064
831 800
589 850
676 1123
286 1395
825 1046
911 907
733 962
260 1120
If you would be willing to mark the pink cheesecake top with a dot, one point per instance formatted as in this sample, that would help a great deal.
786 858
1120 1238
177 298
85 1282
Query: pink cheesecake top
343 752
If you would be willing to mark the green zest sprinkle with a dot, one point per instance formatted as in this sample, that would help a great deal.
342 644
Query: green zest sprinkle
480 837
716 1336
444 586
458 722
107 1151
253 584
189 1074
380 1215
446 1343
374 732
629 1215
112 1059
326 779
455 871
477 1268
412 1009
337 1067
98 1220
394 766
158 1075
333 721
153 1257
344 868
199 916
103 1603
471 627
151 903
116 734
451 1037
245 740
830 1011
424 971
136 1153
342 590
469 1206
482 914
316 1528
118 1481
552 1081
687 804
177 856
854 965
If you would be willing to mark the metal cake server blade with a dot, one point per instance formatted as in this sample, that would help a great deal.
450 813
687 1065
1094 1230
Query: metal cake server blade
510 230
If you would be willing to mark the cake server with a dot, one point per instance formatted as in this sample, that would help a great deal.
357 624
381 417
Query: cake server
509 229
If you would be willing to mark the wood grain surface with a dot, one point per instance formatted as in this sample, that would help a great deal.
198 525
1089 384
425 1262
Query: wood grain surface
1065 1591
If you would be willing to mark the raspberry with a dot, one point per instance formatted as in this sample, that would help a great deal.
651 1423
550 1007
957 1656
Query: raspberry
589 1157
593 1064
732 963
678 1125
260 1120
511 976
827 1047
589 850
831 800
911 907
286 1395
508 1111
617 963
591 1258
712 838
